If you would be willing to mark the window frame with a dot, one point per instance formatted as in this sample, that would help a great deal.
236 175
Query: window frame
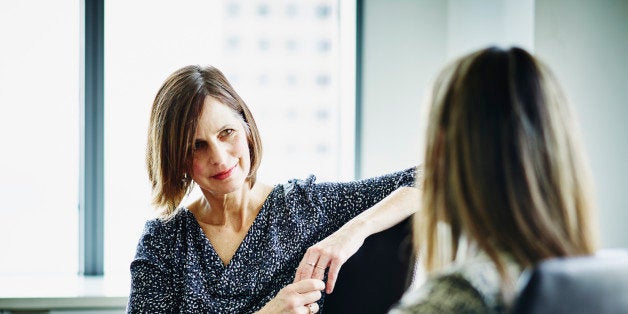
91 168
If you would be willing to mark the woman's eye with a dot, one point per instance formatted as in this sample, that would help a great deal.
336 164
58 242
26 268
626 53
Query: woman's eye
199 145
227 132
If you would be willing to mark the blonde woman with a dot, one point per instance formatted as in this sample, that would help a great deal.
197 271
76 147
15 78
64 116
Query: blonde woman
505 183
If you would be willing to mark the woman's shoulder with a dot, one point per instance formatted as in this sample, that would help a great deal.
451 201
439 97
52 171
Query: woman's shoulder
472 286
480 271
444 293
164 230
160 235
160 225
296 192
298 185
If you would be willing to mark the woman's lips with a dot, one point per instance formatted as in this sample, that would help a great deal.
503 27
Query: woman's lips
225 174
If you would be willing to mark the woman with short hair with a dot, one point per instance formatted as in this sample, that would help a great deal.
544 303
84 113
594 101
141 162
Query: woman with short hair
243 246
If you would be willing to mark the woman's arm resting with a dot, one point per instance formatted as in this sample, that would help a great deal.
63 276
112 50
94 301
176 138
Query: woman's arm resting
336 249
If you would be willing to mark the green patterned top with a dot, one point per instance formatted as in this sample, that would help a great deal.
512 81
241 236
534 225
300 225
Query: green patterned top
472 286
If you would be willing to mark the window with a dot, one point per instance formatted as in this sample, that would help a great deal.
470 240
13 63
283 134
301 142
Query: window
39 132
285 58
292 62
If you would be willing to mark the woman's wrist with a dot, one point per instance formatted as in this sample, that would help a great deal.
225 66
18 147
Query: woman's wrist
358 227
394 208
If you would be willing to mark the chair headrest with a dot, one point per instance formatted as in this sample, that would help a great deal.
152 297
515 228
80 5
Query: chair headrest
586 284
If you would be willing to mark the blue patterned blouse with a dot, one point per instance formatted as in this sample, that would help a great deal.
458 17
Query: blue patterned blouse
176 269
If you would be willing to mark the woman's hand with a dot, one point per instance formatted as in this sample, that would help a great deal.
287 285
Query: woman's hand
332 252
336 249
298 297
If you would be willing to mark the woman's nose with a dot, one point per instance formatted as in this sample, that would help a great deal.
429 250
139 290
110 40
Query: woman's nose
218 154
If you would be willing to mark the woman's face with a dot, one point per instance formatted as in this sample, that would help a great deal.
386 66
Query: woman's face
221 153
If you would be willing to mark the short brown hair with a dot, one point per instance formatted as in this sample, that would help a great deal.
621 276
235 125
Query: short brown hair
173 121
503 164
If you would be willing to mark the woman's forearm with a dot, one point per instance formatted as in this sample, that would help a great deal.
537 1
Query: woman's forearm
394 208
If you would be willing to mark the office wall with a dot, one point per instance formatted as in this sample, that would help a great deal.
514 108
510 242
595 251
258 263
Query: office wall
586 44
397 66
406 42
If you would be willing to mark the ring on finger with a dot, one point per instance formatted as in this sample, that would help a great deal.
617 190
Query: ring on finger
320 267
316 266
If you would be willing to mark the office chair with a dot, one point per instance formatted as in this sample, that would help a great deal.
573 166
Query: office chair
589 284
376 276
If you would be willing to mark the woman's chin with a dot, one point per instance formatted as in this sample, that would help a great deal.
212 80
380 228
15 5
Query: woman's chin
226 186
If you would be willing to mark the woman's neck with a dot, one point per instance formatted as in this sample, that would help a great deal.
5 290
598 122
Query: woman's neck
234 210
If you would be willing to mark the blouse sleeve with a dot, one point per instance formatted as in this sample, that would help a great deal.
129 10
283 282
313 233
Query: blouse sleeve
342 201
444 294
152 289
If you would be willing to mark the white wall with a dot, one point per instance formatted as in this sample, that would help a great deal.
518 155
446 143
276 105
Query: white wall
397 65
586 44
406 42
474 24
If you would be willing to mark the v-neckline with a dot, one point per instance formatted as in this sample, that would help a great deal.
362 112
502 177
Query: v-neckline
210 247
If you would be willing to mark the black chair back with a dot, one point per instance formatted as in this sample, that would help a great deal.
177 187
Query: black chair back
591 284
376 277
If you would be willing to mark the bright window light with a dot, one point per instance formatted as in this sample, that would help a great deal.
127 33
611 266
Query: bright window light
291 61
39 132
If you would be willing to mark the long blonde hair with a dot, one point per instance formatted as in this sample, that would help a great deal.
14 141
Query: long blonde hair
503 165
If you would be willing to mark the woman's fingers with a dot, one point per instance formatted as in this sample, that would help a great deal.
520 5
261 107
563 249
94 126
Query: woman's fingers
318 269
299 272
296 298
308 285
309 291
328 255
310 297
306 267
332 275
314 263
312 308
332 252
